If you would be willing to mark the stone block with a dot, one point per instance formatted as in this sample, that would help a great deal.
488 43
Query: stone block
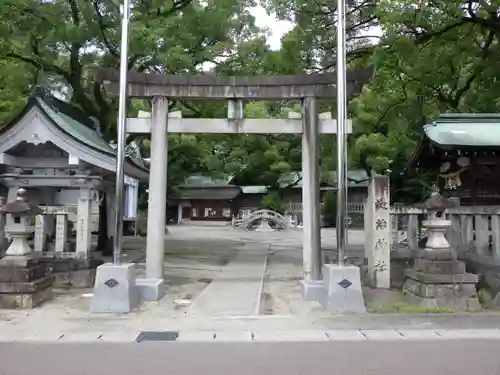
440 290
27 287
439 267
75 279
61 264
150 289
442 254
429 278
312 290
115 290
11 274
343 292
72 272
21 261
25 301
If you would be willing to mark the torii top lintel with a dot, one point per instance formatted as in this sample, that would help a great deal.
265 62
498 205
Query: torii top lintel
144 85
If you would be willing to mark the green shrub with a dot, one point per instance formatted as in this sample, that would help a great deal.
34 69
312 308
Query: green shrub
272 201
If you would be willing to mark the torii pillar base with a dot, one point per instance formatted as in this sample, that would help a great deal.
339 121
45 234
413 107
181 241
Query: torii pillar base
115 290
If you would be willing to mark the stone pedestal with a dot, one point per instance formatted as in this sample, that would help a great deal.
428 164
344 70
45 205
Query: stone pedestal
438 279
453 290
339 292
24 282
342 290
115 289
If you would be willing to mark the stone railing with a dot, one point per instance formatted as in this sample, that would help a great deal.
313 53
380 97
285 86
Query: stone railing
355 213
475 228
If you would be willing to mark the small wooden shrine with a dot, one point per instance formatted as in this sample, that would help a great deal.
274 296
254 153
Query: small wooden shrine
464 151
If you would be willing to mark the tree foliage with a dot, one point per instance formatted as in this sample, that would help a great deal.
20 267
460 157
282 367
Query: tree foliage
428 58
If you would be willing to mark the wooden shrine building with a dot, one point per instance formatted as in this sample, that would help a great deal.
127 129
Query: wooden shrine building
57 154
464 151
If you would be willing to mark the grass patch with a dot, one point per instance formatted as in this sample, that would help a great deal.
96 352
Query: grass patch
407 308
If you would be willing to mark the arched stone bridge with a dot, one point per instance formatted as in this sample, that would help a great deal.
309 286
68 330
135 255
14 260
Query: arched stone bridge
279 221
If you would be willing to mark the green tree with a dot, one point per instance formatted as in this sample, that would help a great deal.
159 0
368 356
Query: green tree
433 58
16 81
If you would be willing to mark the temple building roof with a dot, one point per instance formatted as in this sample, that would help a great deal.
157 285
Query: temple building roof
471 130
45 118
205 187
460 134
209 193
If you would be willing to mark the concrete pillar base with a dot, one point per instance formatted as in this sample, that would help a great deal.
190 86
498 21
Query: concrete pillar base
312 290
150 289
342 288
115 290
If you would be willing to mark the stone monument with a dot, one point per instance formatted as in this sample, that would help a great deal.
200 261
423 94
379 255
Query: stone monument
437 278
24 282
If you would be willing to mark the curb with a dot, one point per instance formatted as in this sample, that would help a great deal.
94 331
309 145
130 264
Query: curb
250 336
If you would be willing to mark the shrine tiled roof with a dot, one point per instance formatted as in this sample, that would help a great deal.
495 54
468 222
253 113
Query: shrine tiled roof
74 123
209 192
465 129
73 127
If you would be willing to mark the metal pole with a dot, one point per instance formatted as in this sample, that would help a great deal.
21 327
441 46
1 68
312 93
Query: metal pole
121 129
341 135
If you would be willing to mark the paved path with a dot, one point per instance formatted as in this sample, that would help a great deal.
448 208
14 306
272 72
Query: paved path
237 289
455 357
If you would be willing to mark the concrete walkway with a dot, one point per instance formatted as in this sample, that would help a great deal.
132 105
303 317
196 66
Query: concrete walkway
237 289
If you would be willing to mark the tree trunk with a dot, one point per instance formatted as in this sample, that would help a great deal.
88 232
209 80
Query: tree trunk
103 240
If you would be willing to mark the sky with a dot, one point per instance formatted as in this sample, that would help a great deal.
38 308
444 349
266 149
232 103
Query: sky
277 28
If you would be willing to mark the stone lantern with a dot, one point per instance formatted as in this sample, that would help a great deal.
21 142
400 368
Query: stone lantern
437 246
21 226
437 278
24 280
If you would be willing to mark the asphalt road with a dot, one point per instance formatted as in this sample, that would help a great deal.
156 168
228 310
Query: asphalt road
439 357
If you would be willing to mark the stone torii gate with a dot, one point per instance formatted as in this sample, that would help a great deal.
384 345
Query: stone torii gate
162 88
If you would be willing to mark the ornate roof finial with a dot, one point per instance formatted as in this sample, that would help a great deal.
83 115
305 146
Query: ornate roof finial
21 195
434 190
